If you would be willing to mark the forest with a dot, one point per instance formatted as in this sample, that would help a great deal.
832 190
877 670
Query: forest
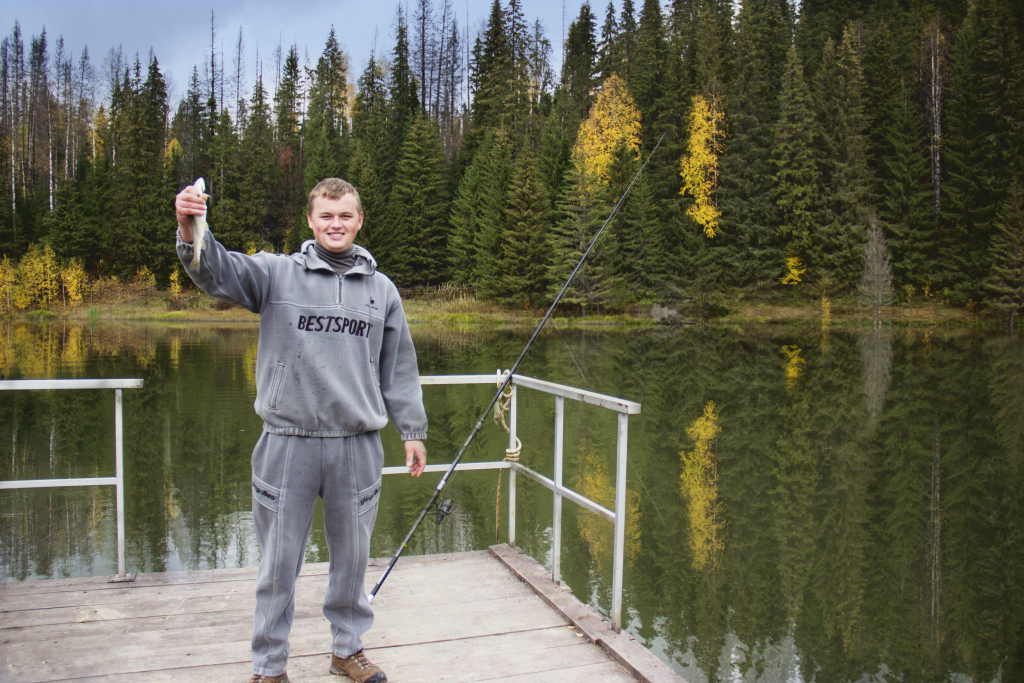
827 147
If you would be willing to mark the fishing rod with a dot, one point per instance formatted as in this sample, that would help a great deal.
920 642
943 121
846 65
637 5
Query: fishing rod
501 387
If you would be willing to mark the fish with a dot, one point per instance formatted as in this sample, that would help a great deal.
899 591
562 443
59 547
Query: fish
199 226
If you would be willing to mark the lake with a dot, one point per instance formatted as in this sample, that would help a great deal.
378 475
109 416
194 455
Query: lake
802 505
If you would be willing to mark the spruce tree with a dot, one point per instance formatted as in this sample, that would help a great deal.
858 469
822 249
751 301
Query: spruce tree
465 218
984 125
493 70
905 196
579 69
404 101
371 168
1005 282
885 82
581 213
524 257
418 211
644 268
846 177
748 248
288 116
493 218
647 78
626 47
223 210
609 59
258 166
795 171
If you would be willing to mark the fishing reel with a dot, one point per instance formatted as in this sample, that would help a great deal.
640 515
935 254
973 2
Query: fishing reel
442 509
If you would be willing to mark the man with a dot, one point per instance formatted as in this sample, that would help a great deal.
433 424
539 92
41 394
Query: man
334 352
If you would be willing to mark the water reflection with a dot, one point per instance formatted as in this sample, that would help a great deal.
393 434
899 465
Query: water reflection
867 507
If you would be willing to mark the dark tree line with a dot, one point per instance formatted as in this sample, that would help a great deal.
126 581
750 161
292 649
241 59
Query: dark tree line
467 152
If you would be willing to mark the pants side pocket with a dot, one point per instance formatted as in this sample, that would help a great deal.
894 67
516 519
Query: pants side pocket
266 495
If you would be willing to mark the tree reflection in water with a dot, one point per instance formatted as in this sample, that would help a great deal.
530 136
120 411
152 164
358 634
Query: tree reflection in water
871 486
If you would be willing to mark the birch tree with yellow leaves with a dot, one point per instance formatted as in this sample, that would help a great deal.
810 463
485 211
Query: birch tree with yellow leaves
699 166
614 120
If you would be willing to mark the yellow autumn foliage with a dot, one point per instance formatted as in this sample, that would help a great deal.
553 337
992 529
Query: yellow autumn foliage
794 366
699 485
74 280
795 267
699 166
595 484
6 284
174 285
74 350
614 121
37 278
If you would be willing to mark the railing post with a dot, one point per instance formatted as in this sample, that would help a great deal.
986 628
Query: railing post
556 522
620 520
119 469
513 414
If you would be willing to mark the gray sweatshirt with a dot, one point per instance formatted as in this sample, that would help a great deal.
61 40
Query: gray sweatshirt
334 350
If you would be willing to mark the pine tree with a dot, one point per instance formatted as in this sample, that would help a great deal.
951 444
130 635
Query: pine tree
372 166
404 102
525 255
492 70
465 217
418 211
223 210
626 47
1005 282
259 170
493 218
643 268
846 177
581 214
288 117
905 204
796 176
579 68
609 60
985 122
647 77
328 102
749 249
885 83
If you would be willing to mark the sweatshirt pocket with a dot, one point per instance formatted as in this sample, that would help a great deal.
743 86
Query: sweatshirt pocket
276 385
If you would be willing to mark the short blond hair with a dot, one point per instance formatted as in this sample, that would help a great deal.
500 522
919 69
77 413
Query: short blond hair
332 188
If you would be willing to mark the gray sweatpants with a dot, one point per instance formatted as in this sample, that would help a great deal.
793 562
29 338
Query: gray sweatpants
288 473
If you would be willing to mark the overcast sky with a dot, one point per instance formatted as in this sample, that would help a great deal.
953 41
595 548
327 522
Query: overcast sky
179 33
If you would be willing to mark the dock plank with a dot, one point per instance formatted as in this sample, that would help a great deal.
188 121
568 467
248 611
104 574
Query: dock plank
446 618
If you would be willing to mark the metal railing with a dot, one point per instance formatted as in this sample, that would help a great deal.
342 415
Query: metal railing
561 392
118 480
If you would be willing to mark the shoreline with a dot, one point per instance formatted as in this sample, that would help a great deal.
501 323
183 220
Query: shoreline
844 312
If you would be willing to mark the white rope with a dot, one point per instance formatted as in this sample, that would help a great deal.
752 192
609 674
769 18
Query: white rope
503 405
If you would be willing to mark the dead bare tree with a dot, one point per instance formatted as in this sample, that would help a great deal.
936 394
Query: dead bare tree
876 279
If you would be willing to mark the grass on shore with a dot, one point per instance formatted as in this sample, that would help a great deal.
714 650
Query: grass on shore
458 308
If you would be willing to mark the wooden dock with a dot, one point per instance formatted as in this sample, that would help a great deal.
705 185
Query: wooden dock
461 617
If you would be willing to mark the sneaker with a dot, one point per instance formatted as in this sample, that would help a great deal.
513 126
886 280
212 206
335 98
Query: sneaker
358 668
260 678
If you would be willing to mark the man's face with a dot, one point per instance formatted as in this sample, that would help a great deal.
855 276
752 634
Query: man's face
335 222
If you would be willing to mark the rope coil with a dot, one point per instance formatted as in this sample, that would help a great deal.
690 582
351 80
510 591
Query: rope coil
503 405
